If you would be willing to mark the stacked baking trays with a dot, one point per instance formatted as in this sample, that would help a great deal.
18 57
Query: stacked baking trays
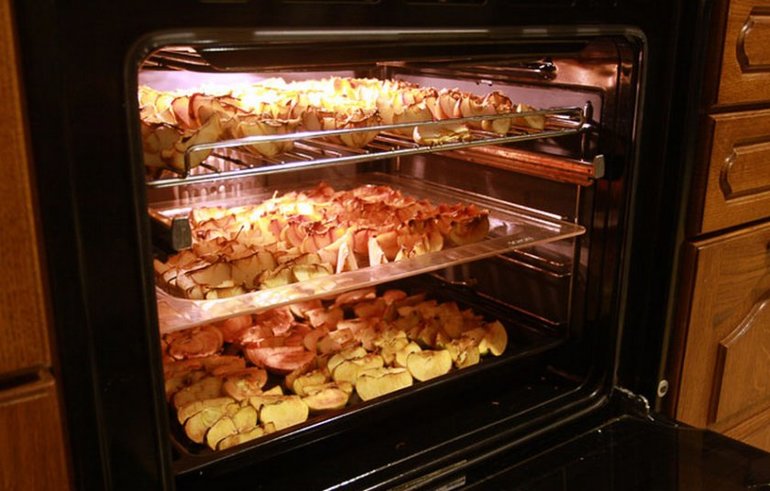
505 293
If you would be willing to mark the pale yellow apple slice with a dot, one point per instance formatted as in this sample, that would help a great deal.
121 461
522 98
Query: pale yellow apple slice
426 365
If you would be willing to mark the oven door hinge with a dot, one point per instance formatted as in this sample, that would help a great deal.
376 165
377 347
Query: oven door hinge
635 404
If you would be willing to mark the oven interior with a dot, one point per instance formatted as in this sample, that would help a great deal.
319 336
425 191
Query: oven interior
551 276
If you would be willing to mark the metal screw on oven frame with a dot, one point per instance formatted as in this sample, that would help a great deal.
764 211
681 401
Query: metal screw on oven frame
662 388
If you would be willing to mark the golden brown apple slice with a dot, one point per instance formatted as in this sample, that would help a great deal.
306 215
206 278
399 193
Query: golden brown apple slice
191 409
377 382
440 135
200 423
222 429
284 412
469 230
239 438
403 353
326 398
313 378
196 342
348 370
464 352
425 365
496 339
207 388
245 418
345 355
245 383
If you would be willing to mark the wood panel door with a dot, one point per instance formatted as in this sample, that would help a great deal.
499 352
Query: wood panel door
725 374
745 76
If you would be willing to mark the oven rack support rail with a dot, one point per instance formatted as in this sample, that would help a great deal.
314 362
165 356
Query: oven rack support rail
562 122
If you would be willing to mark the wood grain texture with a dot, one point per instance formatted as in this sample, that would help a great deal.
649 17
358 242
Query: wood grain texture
23 330
732 277
738 183
754 431
32 454
745 76
743 365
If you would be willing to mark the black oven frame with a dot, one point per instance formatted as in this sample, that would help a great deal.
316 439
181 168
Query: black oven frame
73 63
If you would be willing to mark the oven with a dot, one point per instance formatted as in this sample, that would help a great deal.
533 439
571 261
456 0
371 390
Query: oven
389 244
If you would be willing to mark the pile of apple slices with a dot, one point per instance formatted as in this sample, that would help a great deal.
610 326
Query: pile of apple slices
173 121
326 355
303 235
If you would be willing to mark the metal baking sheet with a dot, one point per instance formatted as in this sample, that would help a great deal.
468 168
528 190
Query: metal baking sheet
511 227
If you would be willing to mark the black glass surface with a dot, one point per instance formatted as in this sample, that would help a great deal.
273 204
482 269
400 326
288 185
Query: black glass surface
627 454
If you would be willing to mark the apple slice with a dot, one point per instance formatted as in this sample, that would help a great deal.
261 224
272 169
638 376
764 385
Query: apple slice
348 370
239 438
200 423
425 365
464 352
222 429
207 388
377 382
310 379
403 353
326 399
243 384
284 411
496 339
191 409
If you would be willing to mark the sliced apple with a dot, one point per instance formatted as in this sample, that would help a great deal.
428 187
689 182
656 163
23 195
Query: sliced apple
403 353
496 338
426 365
326 399
199 424
239 438
207 388
377 382
313 378
348 370
284 411
245 383
222 429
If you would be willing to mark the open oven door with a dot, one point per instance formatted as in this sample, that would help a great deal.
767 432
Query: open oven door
623 448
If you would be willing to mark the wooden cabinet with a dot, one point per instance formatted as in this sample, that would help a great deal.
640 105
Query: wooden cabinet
721 369
727 355
32 455
745 74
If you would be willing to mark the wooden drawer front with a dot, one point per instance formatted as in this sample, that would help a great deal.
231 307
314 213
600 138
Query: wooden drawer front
727 355
738 185
746 54
32 454
23 322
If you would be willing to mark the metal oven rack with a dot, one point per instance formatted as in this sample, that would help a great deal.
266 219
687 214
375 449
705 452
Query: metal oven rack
311 151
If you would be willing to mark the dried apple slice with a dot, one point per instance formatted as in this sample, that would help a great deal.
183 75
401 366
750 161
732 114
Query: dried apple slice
284 411
196 342
377 382
240 438
189 410
207 388
245 383
496 339
402 354
222 429
464 352
425 365
348 370
326 399
310 379
197 426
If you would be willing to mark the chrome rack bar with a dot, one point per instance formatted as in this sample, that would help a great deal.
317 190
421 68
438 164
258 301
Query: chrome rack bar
573 112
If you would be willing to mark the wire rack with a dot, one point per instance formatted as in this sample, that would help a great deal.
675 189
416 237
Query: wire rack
313 150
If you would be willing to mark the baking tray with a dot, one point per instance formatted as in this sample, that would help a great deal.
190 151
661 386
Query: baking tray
511 227
527 338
